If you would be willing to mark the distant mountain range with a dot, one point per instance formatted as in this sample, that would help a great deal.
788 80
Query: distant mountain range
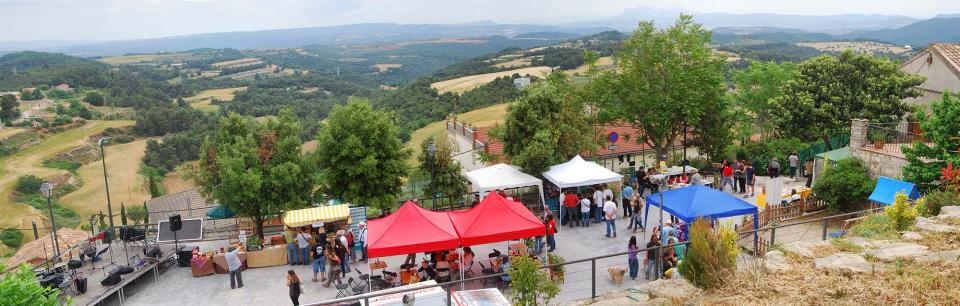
895 29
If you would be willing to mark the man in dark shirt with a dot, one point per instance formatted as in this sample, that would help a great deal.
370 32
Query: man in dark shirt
650 270
426 271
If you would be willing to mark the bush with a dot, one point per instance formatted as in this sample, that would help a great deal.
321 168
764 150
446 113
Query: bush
20 287
28 184
12 237
711 257
935 200
901 213
875 226
530 284
845 185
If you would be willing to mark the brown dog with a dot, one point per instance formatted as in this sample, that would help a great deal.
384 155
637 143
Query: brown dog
616 274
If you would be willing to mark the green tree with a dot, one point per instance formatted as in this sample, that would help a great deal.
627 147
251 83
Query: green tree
845 186
95 98
530 284
19 287
667 80
829 91
545 127
754 87
11 237
361 156
8 108
446 170
137 214
256 169
941 130
28 184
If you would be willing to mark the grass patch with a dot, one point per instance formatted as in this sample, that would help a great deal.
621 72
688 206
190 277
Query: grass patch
62 164
66 217
874 227
846 246
940 241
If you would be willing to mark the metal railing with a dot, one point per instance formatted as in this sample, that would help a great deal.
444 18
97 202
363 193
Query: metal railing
890 138
744 234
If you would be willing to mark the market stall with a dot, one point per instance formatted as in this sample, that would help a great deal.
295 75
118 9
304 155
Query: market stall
411 229
502 176
691 203
579 172
495 219
308 216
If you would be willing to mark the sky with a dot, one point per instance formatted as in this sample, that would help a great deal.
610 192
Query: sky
33 20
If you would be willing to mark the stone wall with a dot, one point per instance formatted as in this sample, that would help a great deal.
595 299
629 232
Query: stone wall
878 163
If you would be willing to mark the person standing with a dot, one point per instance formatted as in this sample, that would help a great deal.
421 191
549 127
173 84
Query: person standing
598 203
585 210
551 229
632 260
303 243
625 195
794 162
751 178
234 265
741 168
293 257
650 264
636 204
727 177
696 179
351 244
571 208
610 211
773 168
319 259
343 252
608 193
293 282
363 241
642 181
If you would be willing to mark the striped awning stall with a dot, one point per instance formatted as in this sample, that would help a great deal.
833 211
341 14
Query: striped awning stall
307 216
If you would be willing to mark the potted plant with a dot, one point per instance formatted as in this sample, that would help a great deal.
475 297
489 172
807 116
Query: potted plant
254 243
556 272
879 138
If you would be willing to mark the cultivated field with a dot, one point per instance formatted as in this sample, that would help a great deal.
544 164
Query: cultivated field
602 63
237 62
127 186
520 62
30 161
487 116
856 46
460 85
385 67
143 58
201 101
177 180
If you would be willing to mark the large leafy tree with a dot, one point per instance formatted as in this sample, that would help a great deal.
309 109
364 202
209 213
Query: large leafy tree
8 108
667 81
256 169
546 126
362 158
941 129
447 173
828 91
754 87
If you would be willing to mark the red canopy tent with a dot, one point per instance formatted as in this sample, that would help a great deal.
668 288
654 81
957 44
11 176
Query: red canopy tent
496 219
411 229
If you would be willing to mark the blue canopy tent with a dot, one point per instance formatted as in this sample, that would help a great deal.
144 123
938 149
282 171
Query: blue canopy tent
887 188
690 203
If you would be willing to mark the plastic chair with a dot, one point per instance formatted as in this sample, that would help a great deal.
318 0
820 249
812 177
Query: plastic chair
342 288
358 288
364 278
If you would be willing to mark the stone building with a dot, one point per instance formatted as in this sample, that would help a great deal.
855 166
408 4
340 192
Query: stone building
940 64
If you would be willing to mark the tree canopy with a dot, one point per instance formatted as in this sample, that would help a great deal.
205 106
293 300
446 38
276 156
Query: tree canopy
361 156
754 87
8 108
256 169
447 172
942 130
666 81
545 127
829 91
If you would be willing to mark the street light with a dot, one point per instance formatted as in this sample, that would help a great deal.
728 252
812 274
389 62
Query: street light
47 191
103 157
431 153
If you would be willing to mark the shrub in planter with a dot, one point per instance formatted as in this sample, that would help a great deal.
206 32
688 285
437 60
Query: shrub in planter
845 186
556 273
901 213
530 285
711 257
878 139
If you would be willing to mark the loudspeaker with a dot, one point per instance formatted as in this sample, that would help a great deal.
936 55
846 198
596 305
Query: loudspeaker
175 224
122 270
74 264
131 234
154 252
81 285
112 279
184 255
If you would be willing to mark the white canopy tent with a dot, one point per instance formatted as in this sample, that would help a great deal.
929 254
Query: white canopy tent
502 176
579 172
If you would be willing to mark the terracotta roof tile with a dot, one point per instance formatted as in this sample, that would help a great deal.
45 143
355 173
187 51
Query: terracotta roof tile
951 52
626 145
